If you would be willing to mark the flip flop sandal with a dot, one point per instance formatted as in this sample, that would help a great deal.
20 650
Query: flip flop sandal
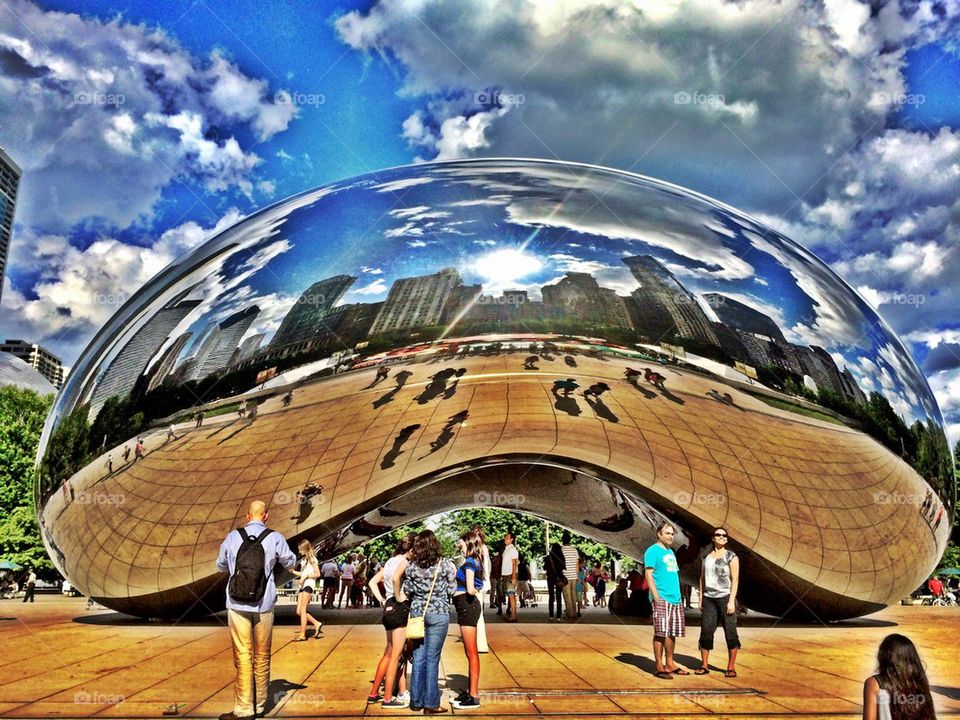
701 671
299 639
681 671
730 673
664 675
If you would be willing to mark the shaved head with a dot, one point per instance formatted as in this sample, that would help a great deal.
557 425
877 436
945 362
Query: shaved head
258 510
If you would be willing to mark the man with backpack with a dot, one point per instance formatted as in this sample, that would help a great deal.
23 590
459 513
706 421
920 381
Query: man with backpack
249 554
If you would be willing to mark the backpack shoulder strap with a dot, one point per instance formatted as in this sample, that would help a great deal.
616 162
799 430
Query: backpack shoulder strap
261 536
243 534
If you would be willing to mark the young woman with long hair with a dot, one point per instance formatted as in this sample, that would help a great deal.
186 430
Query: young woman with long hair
469 607
719 583
394 621
900 689
307 577
429 582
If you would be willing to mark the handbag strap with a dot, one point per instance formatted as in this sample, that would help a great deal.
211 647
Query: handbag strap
426 605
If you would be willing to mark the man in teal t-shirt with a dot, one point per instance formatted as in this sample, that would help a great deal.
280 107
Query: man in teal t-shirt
663 580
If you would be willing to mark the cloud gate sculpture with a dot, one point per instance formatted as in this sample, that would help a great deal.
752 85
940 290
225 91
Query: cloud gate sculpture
596 348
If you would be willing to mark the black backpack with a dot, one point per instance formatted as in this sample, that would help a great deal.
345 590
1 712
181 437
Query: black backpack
249 580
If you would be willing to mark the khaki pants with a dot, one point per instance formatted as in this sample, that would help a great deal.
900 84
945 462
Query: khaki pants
570 599
251 634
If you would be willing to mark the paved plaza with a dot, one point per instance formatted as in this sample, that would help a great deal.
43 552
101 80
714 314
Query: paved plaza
61 660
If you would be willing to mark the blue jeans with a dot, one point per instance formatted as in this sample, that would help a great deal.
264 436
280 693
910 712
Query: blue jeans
424 674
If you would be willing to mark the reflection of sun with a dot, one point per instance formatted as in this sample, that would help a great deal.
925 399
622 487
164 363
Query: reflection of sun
501 267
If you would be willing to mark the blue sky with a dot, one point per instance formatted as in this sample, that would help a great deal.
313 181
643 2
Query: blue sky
142 127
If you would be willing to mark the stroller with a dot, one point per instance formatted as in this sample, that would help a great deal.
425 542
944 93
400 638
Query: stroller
527 594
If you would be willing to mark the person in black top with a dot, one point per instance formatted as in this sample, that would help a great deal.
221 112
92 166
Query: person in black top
554 564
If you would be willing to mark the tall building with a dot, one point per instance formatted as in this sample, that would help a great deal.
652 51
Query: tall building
218 347
164 366
248 347
743 317
580 297
37 357
416 301
125 369
306 317
661 295
851 388
9 184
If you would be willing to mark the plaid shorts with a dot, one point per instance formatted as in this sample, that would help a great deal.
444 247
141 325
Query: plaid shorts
668 619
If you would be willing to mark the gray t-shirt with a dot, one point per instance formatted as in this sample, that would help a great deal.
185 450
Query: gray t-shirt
716 574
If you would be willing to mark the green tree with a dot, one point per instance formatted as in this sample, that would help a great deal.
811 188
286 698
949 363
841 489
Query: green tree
67 451
22 413
20 541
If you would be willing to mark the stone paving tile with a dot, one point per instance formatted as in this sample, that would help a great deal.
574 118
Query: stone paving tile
533 667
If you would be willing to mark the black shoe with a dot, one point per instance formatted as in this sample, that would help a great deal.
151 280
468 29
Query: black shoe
231 716
462 696
415 708
468 704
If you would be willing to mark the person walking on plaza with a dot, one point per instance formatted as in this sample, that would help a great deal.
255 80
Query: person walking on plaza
359 582
571 569
482 646
900 690
109 463
307 575
663 581
29 586
553 566
242 408
330 572
510 562
429 582
138 450
199 419
249 554
719 581
172 433
126 453
469 607
394 620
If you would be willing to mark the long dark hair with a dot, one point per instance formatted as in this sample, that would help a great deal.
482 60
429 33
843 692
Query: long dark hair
426 549
474 549
900 672
405 544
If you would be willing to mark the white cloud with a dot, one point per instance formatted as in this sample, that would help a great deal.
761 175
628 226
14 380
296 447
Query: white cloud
683 88
102 116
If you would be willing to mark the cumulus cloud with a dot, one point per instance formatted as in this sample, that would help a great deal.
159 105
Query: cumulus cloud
79 290
678 90
102 116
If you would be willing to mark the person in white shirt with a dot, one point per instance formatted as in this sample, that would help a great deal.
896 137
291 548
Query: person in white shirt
571 569
307 575
329 572
508 568
346 580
